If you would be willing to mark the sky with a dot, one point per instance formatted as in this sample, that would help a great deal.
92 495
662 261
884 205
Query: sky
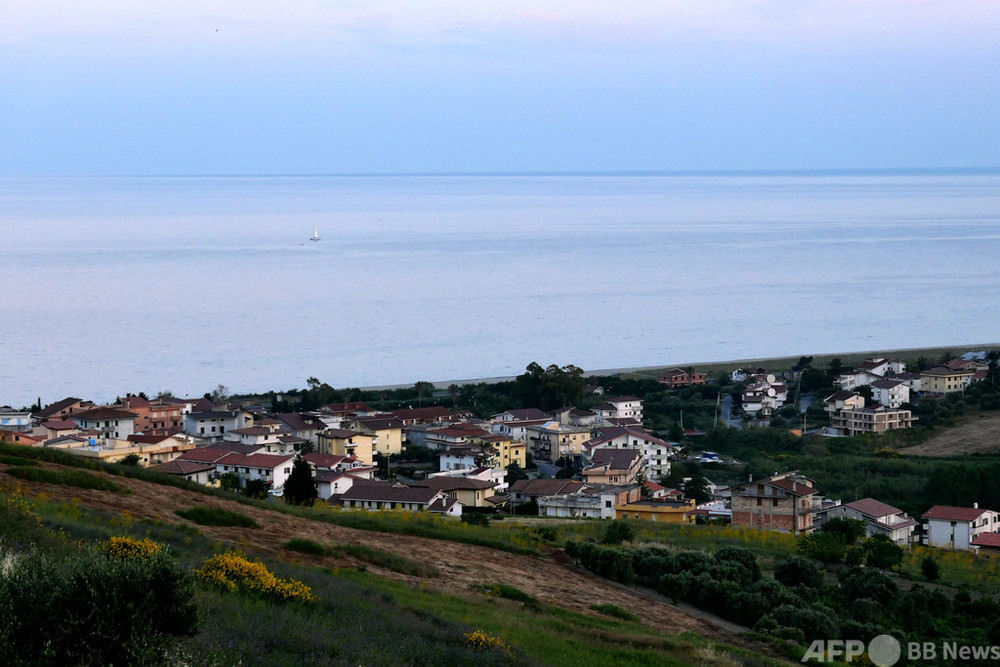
164 87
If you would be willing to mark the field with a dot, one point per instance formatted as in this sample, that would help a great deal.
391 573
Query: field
547 633
979 434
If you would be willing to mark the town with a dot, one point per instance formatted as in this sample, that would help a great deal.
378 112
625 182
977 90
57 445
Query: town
564 462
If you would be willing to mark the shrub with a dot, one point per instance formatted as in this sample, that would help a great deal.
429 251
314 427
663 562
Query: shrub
390 560
618 531
615 611
77 478
130 548
233 572
93 608
17 461
797 571
509 593
305 546
475 519
930 568
480 641
744 559
216 516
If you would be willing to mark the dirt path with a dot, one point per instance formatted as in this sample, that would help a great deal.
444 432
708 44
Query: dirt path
550 579
974 435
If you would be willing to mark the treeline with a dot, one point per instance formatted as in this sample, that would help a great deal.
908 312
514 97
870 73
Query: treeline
797 604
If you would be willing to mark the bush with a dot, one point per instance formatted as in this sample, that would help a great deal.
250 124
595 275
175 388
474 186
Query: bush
615 611
215 516
509 593
389 560
94 608
930 568
305 546
234 572
618 531
77 478
475 519
797 571
17 461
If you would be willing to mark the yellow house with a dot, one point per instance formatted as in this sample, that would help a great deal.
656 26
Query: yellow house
342 442
469 491
945 380
551 441
508 450
656 510
386 431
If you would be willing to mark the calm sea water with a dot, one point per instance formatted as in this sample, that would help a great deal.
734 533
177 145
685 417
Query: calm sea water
111 285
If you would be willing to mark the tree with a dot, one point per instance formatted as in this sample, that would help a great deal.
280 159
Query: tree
229 481
696 488
453 390
515 472
423 388
930 568
826 547
851 529
618 531
882 553
255 488
219 394
131 460
300 487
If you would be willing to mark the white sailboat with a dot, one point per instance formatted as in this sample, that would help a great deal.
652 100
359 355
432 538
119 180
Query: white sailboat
315 236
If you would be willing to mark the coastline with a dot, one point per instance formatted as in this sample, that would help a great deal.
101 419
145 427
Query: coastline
849 358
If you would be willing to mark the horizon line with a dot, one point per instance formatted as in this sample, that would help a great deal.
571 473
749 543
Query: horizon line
821 171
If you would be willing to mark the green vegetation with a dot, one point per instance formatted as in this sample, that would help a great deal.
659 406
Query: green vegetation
388 560
17 461
614 611
300 487
216 516
306 546
75 478
509 593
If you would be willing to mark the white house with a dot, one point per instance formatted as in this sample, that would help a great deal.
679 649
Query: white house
879 518
654 450
765 394
112 423
890 392
957 527
272 469
213 424
620 407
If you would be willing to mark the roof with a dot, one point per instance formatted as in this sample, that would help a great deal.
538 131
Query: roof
149 439
459 431
842 395
327 460
454 483
546 487
237 448
56 407
873 508
103 413
60 424
389 492
615 459
182 467
887 383
211 414
350 406
342 433
944 371
432 412
990 540
204 454
253 430
296 422
256 460
525 413
793 487
949 513
379 423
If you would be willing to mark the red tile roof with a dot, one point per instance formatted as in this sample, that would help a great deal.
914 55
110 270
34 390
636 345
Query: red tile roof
873 508
793 487
987 540
948 513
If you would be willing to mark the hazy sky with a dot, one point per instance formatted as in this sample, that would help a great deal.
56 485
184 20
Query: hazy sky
374 86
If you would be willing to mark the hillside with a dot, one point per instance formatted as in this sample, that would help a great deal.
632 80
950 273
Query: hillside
979 434
549 578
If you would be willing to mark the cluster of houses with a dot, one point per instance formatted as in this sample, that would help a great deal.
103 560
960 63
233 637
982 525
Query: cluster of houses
207 443
617 459
790 502
890 386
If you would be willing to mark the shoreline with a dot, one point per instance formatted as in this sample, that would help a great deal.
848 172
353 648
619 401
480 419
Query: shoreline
716 366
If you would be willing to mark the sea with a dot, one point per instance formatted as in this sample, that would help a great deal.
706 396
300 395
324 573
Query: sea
111 285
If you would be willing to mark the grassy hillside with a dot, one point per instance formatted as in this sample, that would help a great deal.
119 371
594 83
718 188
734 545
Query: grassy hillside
375 597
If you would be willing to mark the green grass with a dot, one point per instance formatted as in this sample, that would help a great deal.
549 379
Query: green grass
614 611
76 478
306 546
509 593
388 560
214 516
17 461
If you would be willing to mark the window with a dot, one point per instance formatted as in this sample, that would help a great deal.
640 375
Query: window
774 502
760 501
607 503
